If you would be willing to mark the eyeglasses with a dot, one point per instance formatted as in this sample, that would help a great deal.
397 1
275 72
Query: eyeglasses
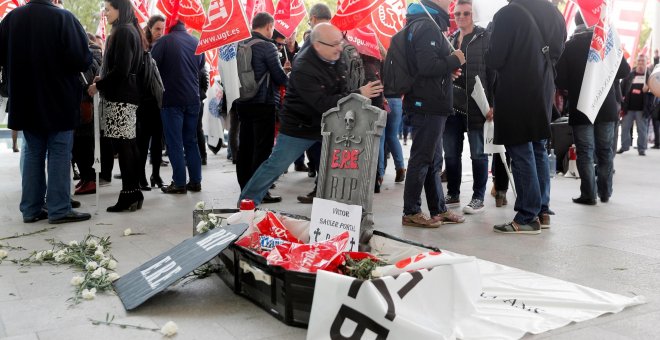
341 43
465 14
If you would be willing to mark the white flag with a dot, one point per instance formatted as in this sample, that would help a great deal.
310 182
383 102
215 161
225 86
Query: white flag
229 73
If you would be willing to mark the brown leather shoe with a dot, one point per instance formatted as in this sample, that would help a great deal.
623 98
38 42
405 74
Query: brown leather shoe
400 175
307 199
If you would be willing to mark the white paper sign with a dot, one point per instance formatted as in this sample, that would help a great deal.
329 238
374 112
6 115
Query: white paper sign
479 96
489 137
330 218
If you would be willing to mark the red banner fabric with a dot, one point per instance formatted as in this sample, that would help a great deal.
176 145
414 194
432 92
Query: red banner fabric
6 6
287 22
191 12
387 19
257 6
364 39
590 10
211 57
351 13
100 30
225 24
141 11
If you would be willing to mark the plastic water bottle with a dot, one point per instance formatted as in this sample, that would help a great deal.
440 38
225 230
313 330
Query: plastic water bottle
552 163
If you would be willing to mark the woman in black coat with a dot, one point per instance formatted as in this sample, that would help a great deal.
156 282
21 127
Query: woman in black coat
120 92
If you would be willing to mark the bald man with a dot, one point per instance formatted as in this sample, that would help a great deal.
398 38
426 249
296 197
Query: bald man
315 86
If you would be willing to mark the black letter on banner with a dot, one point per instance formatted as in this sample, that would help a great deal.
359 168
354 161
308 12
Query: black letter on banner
416 278
355 288
382 289
363 323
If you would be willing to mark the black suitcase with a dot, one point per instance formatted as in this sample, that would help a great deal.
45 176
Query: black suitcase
561 140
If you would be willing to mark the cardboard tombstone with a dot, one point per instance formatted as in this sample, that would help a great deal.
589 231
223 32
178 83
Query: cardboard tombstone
349 155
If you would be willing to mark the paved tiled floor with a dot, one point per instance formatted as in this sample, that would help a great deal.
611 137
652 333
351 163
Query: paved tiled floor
613 247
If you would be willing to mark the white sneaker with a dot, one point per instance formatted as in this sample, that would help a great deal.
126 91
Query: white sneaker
476 206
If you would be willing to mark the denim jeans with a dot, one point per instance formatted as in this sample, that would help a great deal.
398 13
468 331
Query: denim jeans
453 147
595 141
57 146
529 162
180 126
642 130
424 166
286 150
390 137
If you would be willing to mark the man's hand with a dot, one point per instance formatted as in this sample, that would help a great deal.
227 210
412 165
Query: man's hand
489 115
372 89
287 66
459 54
91 90
97 78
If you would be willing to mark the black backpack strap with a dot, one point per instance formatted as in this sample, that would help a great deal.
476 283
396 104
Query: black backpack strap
545 50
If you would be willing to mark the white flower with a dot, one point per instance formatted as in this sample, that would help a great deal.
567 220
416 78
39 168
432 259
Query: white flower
100 271
92 244
89 294
91 265
213 218
98 254
200 205
112 264
128 232
73 244
202 227
60 256
39 256
77 280
3 254
112 277
169 329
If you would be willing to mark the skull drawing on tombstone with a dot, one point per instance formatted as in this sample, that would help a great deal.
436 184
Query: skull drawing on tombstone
349 119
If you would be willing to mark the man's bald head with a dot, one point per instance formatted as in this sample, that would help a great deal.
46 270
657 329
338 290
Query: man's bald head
327 40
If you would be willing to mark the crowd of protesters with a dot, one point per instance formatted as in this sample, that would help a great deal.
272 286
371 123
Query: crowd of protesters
522 60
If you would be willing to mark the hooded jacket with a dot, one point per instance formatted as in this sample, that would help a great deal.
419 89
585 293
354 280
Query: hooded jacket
431 92
570 71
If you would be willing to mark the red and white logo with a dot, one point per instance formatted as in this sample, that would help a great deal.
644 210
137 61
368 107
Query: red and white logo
5 7
365 41
350 13
257 6
286 22
140 9
388 19
191 12
211 57
225 24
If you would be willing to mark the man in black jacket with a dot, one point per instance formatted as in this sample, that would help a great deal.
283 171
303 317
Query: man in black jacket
473 41
428 103
257 115
635 97
590 139
527 39
315 86
52 48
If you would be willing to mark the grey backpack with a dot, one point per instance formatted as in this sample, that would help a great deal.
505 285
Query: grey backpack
249 85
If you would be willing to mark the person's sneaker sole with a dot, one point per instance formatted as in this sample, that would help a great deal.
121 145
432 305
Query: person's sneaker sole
530 232
472 211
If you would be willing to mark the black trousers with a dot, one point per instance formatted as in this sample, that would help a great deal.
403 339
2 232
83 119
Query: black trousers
129 156
255 139
83 155
201 140
149 138
107 159
499 171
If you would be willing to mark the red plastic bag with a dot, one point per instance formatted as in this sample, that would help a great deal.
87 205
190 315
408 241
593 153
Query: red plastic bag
309 258
272 226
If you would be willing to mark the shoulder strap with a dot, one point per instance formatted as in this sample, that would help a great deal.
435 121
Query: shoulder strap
545 50
451 47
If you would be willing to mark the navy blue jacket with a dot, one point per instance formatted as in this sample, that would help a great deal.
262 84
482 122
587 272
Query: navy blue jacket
432 91
43 49
179 67
265 58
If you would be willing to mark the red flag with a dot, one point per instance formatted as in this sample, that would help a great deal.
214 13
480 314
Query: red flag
350 13
211 57
6 6
287 24
100 30
452 21
225 24
256 6
569 12
364 40
190 12
283 10
387 19
590 10
141 11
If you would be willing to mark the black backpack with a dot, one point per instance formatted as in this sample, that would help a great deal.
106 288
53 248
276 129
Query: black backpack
152 83
354 66
398 73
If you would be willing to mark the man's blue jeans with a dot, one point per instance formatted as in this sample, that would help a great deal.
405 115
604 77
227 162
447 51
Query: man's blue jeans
390 137
286 150
642 123
424 165
57 146
595 141
180 126
453 144
529 163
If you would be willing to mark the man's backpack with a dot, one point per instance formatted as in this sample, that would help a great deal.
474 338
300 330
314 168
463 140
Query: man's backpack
398 73
152 83
354 66
249 85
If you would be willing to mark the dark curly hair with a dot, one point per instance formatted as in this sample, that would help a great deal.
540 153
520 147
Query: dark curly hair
150 24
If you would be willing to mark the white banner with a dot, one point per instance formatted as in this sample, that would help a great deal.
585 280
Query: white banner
423 304
489 137
602 65
229 73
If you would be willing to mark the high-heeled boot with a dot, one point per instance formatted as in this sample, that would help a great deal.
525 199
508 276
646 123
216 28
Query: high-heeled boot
156 181
140 198
144 185
128 200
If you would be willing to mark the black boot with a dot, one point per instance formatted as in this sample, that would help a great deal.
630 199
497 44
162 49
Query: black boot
128 200
156 181
144 185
